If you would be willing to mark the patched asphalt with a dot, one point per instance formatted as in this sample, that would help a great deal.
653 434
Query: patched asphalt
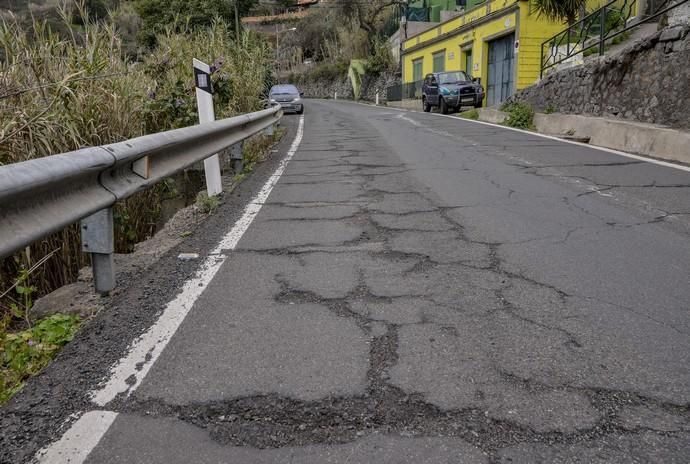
416 289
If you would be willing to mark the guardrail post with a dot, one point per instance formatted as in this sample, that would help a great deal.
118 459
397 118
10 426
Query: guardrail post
335 96
236 157
269 130
377 98
97 238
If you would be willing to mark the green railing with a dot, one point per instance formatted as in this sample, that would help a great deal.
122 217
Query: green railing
592 33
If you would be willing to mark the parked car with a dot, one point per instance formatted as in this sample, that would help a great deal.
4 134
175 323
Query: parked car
451 91
288 97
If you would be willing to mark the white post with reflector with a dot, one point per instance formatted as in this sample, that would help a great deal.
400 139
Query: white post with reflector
204 101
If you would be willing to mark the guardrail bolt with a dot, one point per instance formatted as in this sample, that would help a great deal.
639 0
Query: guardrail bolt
97 238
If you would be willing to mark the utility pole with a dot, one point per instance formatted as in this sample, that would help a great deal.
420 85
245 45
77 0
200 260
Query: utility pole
237 20
402 36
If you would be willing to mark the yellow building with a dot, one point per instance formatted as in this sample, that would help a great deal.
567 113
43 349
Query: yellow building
498 41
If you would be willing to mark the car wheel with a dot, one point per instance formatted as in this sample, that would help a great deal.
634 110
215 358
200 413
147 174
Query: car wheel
443 106
301 110
478 105
426 105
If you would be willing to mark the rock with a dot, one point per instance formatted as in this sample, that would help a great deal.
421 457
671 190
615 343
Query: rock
78 298
670 34
85 275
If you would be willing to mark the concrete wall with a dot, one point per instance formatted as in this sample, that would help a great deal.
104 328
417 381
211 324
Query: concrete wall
630 137
649 81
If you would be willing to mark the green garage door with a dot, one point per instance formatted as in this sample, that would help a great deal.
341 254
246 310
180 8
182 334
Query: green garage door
501 73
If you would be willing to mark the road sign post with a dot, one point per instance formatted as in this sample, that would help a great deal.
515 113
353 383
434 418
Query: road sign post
204 100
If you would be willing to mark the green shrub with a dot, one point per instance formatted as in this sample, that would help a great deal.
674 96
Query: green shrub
470 114
520 115
381 59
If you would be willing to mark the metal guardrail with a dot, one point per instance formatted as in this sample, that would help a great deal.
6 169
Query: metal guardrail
599 27
44 195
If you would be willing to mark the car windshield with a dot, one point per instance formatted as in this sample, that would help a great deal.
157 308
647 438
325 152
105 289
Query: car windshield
453 77
284 90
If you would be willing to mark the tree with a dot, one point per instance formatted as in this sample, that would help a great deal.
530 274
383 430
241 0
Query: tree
369 16
560 10
157 15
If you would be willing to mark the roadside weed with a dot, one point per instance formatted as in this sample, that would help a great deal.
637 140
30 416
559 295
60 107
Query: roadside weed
206 204
470 114
25 353
520 115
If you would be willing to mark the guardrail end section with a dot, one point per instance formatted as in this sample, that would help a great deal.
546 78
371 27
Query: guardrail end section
97 238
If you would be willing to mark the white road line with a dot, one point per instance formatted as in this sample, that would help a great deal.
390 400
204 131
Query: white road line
81 438
550 137
127 374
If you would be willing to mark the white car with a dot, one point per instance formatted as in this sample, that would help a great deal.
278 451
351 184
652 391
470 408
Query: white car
288 97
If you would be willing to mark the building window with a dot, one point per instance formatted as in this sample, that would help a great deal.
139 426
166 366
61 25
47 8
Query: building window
417 70
440 61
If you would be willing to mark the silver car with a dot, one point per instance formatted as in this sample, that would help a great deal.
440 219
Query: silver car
289 98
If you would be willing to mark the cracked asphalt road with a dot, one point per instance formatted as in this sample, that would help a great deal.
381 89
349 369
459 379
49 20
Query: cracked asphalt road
421 289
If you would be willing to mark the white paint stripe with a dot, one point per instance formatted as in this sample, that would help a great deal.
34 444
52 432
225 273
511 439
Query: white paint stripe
127 374
550 137
78 442
229 242
129 371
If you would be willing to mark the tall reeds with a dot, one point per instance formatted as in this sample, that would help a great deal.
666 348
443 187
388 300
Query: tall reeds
59 93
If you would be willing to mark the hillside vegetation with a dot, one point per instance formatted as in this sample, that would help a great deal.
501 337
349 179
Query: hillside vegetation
335 33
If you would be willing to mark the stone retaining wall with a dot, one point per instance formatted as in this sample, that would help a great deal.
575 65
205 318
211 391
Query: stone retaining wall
370 84
648 81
